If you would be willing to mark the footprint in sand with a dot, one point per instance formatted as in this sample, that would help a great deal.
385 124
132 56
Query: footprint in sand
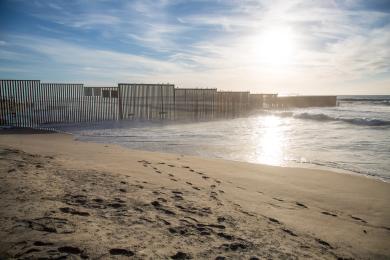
324 243
181 255
40 243
221 219
51 225
70 250
121 251
177 192
213 195
167 223
177 197
159 207
301 205
193 210
328 214
359 219
274 220
225 236
73 211
289 232
236 246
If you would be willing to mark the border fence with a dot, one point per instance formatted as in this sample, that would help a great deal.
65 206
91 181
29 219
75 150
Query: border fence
146 101
30 103
195 104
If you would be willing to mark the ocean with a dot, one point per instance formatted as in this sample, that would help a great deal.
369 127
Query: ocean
353 137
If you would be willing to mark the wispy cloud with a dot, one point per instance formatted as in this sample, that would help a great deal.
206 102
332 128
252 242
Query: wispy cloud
207 43
104 64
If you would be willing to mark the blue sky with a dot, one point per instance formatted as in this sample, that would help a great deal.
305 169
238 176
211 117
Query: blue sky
288 47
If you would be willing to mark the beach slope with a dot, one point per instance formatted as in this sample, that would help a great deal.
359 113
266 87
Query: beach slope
64 198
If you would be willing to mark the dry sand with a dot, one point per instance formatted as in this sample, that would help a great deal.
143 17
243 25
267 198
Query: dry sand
62 198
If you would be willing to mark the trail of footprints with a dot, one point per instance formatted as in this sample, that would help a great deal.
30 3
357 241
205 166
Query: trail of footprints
191 228
174 210
323 212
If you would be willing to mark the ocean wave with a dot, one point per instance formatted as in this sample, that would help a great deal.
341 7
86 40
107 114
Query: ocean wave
368 101
374 103
382 103
354 121
386 99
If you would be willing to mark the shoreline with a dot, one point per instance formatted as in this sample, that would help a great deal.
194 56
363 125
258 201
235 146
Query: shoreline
312 166
294 165
184 200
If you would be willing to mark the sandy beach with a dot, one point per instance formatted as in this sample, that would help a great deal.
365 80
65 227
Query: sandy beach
62 198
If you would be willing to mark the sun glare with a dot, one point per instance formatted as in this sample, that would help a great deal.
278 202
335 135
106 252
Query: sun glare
275 46
270 145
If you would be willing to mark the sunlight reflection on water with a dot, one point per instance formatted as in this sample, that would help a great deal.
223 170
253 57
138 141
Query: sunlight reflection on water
270 144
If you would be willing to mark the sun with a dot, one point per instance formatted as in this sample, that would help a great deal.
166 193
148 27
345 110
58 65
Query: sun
275 46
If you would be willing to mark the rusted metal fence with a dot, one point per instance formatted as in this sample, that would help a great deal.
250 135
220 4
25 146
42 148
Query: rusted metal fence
56 103
99 104
195 104
231 104
256 101
147 101
19 102
30 103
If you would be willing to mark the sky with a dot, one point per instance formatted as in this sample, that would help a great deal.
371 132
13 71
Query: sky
264 46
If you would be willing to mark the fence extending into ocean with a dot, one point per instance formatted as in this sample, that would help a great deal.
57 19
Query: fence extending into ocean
30 103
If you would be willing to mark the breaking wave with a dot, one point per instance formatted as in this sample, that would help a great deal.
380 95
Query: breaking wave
354 121
378 100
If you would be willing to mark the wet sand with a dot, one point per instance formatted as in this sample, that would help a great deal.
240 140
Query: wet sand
62 198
